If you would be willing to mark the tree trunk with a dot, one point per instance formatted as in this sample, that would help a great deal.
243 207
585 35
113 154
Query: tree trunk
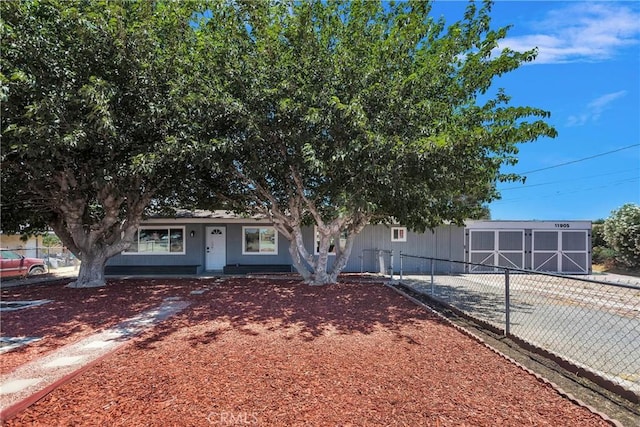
298 263
320 276
314 268
91 273
94 243
319 270
342 256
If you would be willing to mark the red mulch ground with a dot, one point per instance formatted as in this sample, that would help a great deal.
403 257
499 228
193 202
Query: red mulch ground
275 352
77 313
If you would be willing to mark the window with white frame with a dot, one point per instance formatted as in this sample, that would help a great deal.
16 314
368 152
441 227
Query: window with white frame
259 241
398 234
332 244
158 240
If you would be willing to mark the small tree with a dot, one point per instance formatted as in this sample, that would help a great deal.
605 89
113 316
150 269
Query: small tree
362 112
49 240
622 234
101 105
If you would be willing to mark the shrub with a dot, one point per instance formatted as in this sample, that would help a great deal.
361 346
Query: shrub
622 234
603 255
597 234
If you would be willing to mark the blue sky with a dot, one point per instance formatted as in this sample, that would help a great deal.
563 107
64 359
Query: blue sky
587 74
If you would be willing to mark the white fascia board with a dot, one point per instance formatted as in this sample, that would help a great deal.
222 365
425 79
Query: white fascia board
205 221
529 225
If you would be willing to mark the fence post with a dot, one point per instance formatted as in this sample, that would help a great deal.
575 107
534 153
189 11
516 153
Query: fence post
507 304
432 266
391 265
401 266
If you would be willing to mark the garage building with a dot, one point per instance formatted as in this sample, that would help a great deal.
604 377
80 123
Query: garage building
549 246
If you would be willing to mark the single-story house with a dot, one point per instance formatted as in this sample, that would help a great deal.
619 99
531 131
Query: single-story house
196 242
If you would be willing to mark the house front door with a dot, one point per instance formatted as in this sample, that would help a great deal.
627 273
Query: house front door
216 249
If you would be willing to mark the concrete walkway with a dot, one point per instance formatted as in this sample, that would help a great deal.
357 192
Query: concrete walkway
32 381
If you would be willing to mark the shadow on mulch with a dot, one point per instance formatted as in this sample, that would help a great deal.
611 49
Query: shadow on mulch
156 384
74 312
307 311
359 305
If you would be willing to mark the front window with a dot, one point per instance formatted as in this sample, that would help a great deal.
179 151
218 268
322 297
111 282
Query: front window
154 240
259 241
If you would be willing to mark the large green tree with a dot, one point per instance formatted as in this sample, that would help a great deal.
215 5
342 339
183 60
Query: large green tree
102 106
363 111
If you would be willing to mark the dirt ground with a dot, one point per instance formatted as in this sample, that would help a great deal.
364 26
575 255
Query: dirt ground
275 353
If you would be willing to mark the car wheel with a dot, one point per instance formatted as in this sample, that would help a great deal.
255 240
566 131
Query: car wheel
36 270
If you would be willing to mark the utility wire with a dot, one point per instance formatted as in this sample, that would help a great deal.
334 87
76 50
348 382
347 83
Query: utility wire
522 187
563 192
579 160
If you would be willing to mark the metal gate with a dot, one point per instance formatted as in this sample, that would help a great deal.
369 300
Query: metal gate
376 261
502 248
561 251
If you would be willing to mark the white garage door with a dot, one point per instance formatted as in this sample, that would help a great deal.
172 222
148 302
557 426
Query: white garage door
560 251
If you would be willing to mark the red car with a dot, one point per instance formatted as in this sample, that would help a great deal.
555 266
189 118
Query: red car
13 264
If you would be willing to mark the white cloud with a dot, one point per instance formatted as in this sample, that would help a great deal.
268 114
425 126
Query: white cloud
602 102
595 108
583 31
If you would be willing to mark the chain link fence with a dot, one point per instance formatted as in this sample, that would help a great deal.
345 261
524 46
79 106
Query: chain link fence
55 257
592 324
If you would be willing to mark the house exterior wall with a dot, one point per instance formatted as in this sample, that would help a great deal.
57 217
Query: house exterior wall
194 250
444 242
234 249
373 247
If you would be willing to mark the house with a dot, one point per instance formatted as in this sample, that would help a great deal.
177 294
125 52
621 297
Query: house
199 241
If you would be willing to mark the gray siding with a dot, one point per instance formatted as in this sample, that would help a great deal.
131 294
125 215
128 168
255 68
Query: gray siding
194 254
234 248
445 242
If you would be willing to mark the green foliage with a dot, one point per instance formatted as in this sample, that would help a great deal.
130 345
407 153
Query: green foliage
49 240
100 102
597 234
366 111
323 111
603 255
622 234
600 253
103 106
373 108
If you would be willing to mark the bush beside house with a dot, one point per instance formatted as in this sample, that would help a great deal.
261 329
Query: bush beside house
616 240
